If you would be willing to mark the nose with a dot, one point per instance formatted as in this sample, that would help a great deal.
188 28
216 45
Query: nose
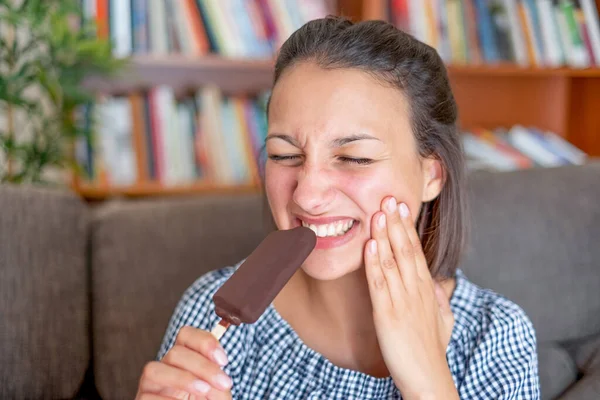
314 191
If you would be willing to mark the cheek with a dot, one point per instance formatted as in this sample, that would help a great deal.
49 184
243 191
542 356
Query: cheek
279 184
278 178
368 189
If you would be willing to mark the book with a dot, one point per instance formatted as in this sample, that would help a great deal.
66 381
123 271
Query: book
539 33
159 136
518 147
231 28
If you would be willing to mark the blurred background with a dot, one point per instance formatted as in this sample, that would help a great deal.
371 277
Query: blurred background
156 97
130 165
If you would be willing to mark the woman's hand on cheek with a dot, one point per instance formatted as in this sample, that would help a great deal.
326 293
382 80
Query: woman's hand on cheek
411 313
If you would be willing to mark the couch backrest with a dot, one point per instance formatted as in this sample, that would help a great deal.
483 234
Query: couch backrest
44 340
536 239
145 254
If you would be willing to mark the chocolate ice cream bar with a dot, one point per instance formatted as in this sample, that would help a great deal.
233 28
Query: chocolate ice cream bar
245 296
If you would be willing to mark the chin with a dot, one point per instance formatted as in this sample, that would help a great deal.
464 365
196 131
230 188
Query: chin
327 267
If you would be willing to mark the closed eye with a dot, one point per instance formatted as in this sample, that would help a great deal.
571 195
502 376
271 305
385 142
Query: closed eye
359 161
348 160
275 157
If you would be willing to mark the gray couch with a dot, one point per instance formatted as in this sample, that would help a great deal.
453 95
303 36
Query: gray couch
86 292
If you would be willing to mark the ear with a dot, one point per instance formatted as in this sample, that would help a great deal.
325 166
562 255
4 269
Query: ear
433 179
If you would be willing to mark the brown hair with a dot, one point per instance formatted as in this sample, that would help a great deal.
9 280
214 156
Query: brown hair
398 59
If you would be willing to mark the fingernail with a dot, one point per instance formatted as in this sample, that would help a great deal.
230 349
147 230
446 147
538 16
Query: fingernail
201 387
224 381
220 357
381 221
373 247
403 210
391 205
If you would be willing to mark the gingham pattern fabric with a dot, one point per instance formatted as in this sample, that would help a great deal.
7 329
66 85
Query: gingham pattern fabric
492 351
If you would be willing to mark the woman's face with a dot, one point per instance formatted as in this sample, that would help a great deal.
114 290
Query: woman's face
338 143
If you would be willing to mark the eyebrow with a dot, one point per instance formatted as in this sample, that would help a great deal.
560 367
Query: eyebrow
339 142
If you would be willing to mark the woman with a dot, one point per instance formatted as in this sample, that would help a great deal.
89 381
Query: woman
363 147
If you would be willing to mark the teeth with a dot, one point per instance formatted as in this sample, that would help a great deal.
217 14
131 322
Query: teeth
322 231
333 229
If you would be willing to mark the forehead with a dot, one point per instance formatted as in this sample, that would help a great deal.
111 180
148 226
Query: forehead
308 96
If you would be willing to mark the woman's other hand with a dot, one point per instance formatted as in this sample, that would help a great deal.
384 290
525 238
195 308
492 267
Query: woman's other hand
190 370
411 313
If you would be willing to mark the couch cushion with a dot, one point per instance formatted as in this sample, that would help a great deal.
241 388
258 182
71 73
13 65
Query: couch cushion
586 354
586 388
145 254
44 341
558 372
535 239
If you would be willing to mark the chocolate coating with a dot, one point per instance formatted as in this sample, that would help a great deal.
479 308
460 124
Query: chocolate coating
245 296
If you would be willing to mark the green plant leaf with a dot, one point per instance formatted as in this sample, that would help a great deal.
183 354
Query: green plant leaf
53 60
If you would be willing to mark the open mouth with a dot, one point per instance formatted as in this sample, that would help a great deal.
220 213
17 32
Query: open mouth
333 229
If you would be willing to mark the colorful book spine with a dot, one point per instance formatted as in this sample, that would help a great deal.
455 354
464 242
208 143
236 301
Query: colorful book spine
518 147
524 32
232 28
154 136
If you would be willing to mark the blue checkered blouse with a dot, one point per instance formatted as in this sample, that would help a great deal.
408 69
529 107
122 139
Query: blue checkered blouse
492 351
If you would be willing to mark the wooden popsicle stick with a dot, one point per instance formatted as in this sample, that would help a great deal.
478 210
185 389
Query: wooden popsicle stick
220 328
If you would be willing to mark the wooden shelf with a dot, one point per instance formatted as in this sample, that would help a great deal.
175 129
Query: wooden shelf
236 76
155 189
232 75
508 70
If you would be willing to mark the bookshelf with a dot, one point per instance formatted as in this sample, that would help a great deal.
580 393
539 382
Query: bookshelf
511 70
563 100
153 189
238 75
232 75
185 46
